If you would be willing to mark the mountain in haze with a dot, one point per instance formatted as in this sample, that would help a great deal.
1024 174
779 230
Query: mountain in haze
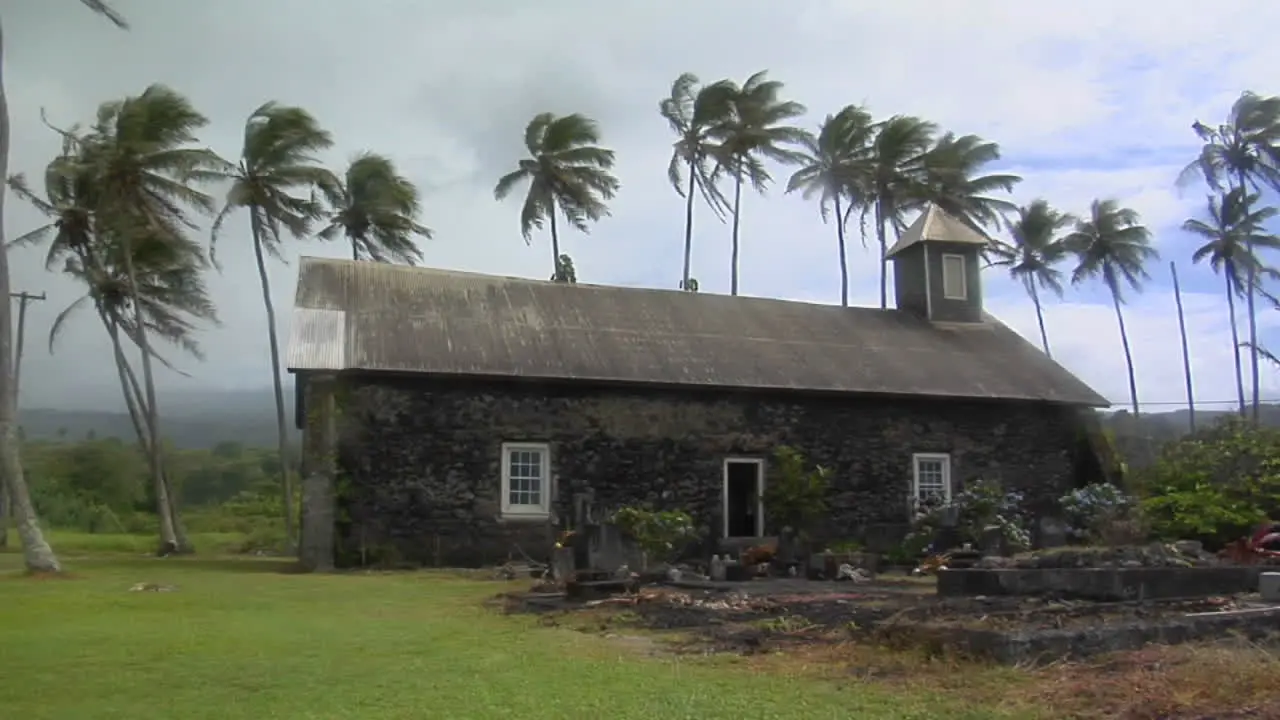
189 419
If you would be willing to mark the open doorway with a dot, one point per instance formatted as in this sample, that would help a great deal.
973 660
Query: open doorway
742 497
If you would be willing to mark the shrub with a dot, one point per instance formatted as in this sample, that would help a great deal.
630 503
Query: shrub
796 495
1104 514
1213 486
981 504
658 533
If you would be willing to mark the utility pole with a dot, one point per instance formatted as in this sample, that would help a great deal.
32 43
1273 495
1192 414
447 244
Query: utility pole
24 299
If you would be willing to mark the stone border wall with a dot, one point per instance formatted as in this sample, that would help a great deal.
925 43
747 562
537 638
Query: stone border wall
1102 584
1035 646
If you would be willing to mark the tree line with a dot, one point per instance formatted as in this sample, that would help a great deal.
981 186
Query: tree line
102 485
124 194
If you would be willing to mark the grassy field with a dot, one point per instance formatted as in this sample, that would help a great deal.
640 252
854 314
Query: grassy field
240 638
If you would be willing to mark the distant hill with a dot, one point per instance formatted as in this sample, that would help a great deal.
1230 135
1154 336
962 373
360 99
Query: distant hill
189 420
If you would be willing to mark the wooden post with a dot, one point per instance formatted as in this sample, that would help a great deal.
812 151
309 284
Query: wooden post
318 485
24 299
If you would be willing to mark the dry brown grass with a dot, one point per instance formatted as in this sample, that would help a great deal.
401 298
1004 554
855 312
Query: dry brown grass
1224 680
1220 681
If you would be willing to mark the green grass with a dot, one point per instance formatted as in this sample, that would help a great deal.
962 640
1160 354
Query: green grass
239 639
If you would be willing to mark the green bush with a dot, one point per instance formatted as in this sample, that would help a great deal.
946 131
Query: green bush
658 533
980 504
796 495
1214 486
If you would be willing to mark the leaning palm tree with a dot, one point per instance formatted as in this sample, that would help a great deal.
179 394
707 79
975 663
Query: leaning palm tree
898 174
1034 253
36 553
1233 232
953 181
695 114
1112 245
376 209
756 131
567 171
835 163
1243 153
276 180
169 276
141 157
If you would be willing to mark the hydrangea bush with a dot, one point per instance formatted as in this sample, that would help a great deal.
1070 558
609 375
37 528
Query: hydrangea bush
1094 512
981 504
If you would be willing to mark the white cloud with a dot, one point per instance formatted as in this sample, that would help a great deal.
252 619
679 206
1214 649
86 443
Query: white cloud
1088 99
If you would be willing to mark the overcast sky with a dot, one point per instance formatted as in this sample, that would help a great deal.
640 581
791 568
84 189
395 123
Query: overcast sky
1090 98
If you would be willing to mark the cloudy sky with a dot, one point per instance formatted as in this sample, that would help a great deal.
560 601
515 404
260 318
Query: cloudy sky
1091 98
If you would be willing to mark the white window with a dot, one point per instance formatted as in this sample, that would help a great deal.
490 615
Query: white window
954 285
931 477
526 479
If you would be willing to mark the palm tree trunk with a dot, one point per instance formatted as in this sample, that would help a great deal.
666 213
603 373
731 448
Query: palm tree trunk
286 486
884 249
1035 300
1186 350
135 403
555 243
355 250
737 216
164 506
1128 356
1229 271
844 260
1249 298
688 228
36 553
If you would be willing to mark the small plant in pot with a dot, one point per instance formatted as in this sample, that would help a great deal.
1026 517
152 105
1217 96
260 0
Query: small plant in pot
659 534
795 500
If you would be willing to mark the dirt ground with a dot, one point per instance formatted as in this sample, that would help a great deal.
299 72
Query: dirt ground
836 631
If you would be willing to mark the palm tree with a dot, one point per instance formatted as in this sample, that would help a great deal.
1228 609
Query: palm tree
36 553
277 160
835 164
898 174
695 114
172 288
1036 250
1232 232
1112 245
171 291
1243 153
376 210
953 182
755 131
568 171
143 167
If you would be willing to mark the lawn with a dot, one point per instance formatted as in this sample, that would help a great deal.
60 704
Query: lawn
240 639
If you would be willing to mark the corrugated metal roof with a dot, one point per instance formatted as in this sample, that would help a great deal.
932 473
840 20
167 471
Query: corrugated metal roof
420 320
935 224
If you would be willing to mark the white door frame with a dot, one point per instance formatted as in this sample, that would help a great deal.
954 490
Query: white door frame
724 493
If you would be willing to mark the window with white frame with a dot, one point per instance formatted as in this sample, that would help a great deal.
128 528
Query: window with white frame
931 477
526 479
954 285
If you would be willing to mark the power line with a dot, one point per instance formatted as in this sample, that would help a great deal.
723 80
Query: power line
1204 402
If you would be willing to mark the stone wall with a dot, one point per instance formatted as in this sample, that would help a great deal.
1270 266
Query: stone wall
420 465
